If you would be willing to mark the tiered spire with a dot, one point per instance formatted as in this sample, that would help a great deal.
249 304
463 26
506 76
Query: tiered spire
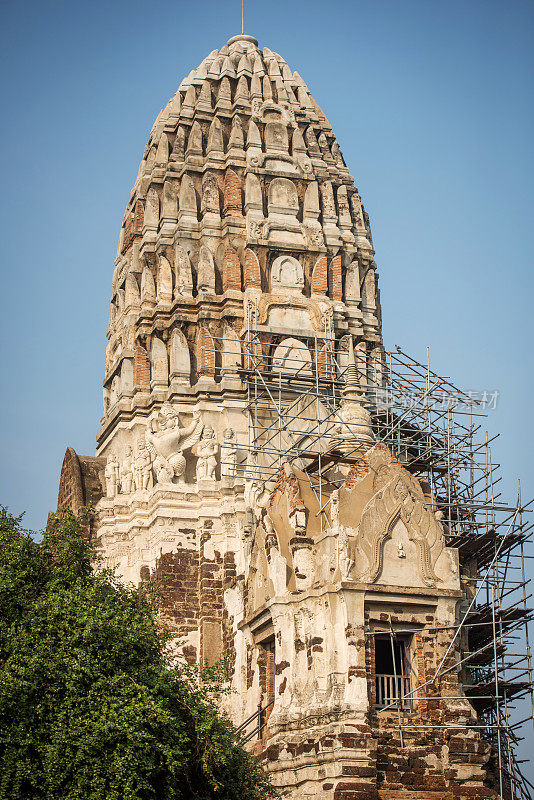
241 166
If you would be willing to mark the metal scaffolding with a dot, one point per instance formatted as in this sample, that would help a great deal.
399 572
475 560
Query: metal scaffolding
294 400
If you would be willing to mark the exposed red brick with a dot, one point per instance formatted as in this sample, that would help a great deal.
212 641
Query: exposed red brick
205 353
319 282
232 195
325 363
253 350
80 486
252 273
335 279
133 226
141 366
231 270
361 468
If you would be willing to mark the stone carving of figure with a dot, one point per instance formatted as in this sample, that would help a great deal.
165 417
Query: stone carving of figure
345 556
127 472
206 451
111 474
229 455
166 441
287 273
346 559
329 205
255 495
210 194
142 466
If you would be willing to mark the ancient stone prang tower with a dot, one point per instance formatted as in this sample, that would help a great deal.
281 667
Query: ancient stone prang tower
245 456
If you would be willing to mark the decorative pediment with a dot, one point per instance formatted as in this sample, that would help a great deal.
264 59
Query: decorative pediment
312 308
378 494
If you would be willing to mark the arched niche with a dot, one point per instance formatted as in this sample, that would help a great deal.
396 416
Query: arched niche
276 138
283 198
127 376
282 227
180 358
287 275
160 363
292 357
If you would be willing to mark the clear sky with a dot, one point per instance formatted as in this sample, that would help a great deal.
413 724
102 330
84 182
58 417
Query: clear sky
432 104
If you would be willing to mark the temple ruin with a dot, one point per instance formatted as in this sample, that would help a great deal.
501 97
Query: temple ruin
325 513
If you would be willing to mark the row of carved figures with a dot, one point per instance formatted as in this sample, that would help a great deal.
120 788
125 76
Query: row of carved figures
159 457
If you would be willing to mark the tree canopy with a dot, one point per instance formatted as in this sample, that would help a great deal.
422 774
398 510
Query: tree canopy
92 705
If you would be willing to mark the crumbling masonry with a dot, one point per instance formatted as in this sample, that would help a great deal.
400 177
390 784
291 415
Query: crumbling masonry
321 511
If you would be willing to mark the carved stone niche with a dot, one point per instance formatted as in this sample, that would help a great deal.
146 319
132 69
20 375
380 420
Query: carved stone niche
268 111
282 226
276 157
276 138
287 276
292 357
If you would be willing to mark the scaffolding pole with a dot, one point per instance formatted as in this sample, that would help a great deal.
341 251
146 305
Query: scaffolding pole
293 402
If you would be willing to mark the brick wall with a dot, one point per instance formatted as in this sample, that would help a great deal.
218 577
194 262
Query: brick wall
325 363
179 576
335 279
141 366
70 495
319 281
80 485
232 195
252 275
431 758
193 597
253 354
133 226
205 353
231 270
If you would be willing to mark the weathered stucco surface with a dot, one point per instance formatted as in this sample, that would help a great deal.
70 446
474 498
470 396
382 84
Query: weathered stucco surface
243 207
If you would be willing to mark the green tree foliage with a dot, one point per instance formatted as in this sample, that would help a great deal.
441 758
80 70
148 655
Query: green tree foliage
91 704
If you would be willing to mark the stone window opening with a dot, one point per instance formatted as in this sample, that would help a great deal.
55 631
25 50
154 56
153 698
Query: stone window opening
393 671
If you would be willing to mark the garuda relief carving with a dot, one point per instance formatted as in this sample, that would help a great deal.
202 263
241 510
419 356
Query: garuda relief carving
397 495
167 440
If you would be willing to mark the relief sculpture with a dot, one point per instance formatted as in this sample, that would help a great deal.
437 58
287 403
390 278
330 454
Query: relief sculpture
398 496
166 440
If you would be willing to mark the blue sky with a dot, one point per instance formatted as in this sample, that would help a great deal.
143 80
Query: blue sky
432 105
